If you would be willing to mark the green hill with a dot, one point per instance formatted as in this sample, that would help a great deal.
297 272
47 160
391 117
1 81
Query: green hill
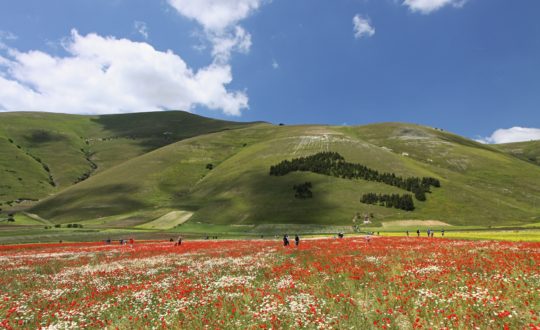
480 185
43 153
528 151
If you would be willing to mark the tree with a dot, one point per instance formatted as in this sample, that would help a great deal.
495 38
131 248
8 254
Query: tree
303 190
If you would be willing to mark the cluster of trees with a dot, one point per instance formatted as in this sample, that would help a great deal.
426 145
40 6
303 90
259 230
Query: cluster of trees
403 202
303 190
93 166
333 164
69 225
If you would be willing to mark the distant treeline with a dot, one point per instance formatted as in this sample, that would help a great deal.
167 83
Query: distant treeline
333 164
403 202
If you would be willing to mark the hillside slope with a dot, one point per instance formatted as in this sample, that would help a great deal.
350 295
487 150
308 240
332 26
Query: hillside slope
43 153
528 151
480 184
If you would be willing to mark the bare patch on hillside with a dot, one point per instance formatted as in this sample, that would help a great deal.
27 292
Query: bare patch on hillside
411 223
168 221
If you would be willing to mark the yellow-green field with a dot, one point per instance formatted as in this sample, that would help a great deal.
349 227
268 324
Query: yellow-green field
529 235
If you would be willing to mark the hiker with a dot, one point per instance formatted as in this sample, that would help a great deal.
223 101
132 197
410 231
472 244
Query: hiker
428 233
418 232
296 240
442 233
285 240
179 241
368 238
407 233
432 233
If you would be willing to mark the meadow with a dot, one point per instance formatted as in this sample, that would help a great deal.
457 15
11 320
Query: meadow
350 283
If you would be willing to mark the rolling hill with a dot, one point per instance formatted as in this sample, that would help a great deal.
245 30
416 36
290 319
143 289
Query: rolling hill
528 151
42 153
222 178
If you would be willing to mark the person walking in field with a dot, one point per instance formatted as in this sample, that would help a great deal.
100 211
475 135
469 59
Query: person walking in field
179 241
442 233
285 240
418 232
296 240
407 233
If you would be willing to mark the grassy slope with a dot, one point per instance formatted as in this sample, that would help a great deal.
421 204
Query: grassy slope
481 185
63 142
528 151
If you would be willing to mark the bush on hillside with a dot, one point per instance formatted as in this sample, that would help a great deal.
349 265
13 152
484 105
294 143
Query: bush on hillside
303 190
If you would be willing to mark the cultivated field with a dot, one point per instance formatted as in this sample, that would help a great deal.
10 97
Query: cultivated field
353 283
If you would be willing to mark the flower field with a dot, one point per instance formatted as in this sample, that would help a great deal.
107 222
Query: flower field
351 283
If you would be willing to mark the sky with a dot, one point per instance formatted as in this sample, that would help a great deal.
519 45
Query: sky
471 67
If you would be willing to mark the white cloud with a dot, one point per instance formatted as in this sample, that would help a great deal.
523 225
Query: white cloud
141 28
514 134
216 15
362 27
220 19
275 64
109 75
428 6
238 40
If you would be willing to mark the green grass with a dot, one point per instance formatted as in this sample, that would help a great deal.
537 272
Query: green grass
151 164
481 186
528 151
63 142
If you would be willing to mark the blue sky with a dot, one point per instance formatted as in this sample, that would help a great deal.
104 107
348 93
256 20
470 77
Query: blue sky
469 66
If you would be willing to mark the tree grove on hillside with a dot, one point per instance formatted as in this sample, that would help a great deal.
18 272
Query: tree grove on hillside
403 202
333 164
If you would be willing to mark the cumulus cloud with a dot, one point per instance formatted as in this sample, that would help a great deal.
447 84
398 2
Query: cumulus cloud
275 64
429 6
514 134
141 28
108 75
362 27
216 15
220 21
239 40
